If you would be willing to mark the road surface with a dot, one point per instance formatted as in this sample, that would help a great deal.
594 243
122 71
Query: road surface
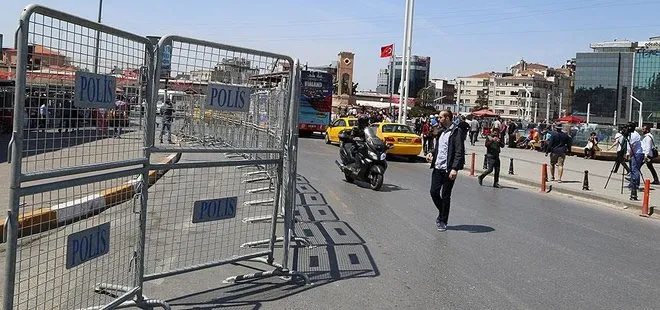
510 248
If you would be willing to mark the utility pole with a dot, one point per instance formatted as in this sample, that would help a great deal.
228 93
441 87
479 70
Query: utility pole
588 112
98 40
561 100
547 110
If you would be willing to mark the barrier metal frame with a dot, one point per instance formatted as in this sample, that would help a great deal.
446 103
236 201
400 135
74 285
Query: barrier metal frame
283 190
132 296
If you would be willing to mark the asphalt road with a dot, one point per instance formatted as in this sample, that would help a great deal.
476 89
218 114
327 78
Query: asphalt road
509 248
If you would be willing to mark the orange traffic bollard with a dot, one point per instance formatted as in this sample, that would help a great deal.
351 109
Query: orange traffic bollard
645 201
544 176
474 157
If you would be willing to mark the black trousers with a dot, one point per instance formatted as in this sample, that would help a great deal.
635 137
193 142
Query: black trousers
473 137
441 187
493 165
621 161
653 172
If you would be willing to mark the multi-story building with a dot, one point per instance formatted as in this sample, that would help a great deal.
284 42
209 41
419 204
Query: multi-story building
383 81
607 79
420 69
445 91
533 92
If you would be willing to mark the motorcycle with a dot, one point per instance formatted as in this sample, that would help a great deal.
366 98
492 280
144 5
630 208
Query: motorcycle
367 163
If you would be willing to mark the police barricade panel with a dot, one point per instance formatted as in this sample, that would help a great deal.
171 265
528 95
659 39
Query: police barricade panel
64 251
78 102
74 221
232 99
200 220
230 94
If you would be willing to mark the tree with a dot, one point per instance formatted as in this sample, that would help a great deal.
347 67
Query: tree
425 96
482 100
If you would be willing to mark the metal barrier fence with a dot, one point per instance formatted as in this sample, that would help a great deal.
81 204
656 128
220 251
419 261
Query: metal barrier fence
66 165
239 119
88 223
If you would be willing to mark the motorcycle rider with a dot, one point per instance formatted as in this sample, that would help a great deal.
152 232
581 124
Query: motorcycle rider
356 132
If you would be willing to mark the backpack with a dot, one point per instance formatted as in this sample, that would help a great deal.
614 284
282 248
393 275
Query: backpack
654 149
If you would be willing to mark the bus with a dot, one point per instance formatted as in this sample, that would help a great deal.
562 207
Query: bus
315 108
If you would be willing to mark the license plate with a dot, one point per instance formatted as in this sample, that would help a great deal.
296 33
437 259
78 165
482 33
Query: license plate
405 140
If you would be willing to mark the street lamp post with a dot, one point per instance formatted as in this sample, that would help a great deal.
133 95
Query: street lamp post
640 110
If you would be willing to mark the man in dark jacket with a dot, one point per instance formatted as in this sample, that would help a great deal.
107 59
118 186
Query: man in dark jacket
493 146
447 159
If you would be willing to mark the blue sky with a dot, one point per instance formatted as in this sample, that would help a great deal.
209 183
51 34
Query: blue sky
461 37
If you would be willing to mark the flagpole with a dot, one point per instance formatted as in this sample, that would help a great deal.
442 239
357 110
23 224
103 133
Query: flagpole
411 13
404 59
392 74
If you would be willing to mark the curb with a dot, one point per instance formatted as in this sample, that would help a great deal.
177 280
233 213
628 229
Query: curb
45 219
572 192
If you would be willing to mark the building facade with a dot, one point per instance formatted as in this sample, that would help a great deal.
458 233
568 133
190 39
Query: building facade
445 92
608 77
646 87
383 81
420 69
533 92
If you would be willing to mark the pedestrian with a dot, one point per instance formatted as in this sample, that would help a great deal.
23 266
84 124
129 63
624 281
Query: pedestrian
474 130
168 112
511 131
621 144
560 143
43 116
426 138
636 156
592 147
464 126
447 159
650 152
493 147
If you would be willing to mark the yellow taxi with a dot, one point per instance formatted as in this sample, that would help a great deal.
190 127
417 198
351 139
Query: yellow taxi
332 133
404 140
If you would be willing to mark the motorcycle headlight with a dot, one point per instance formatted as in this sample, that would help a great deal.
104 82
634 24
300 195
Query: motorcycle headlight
383 156
373 155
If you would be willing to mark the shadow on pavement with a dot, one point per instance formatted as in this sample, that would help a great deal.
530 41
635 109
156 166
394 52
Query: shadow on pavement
336 252
508 187
387 188
471 228
37 142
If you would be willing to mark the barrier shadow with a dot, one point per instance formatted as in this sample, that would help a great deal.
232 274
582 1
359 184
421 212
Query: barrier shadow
36 142
336 252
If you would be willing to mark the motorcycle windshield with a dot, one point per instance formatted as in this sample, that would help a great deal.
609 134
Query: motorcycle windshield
373 140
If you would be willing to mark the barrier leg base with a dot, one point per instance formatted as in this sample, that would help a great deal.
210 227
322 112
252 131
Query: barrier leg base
113 289
259 190
260 218
284 274
261 179
298 240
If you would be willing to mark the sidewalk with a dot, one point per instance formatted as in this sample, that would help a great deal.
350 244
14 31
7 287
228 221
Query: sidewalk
45 210
527 170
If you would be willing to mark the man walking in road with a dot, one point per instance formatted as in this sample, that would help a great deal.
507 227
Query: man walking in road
447 159
559 144
650 152
493 146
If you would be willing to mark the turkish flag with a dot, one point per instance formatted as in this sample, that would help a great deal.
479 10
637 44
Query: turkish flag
386 51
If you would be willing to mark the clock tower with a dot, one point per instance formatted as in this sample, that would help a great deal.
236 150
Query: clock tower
345 73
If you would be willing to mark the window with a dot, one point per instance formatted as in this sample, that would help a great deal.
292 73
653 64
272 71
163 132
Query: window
352 122
513 112
397 128
468 92
339 123
467 101
513 102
